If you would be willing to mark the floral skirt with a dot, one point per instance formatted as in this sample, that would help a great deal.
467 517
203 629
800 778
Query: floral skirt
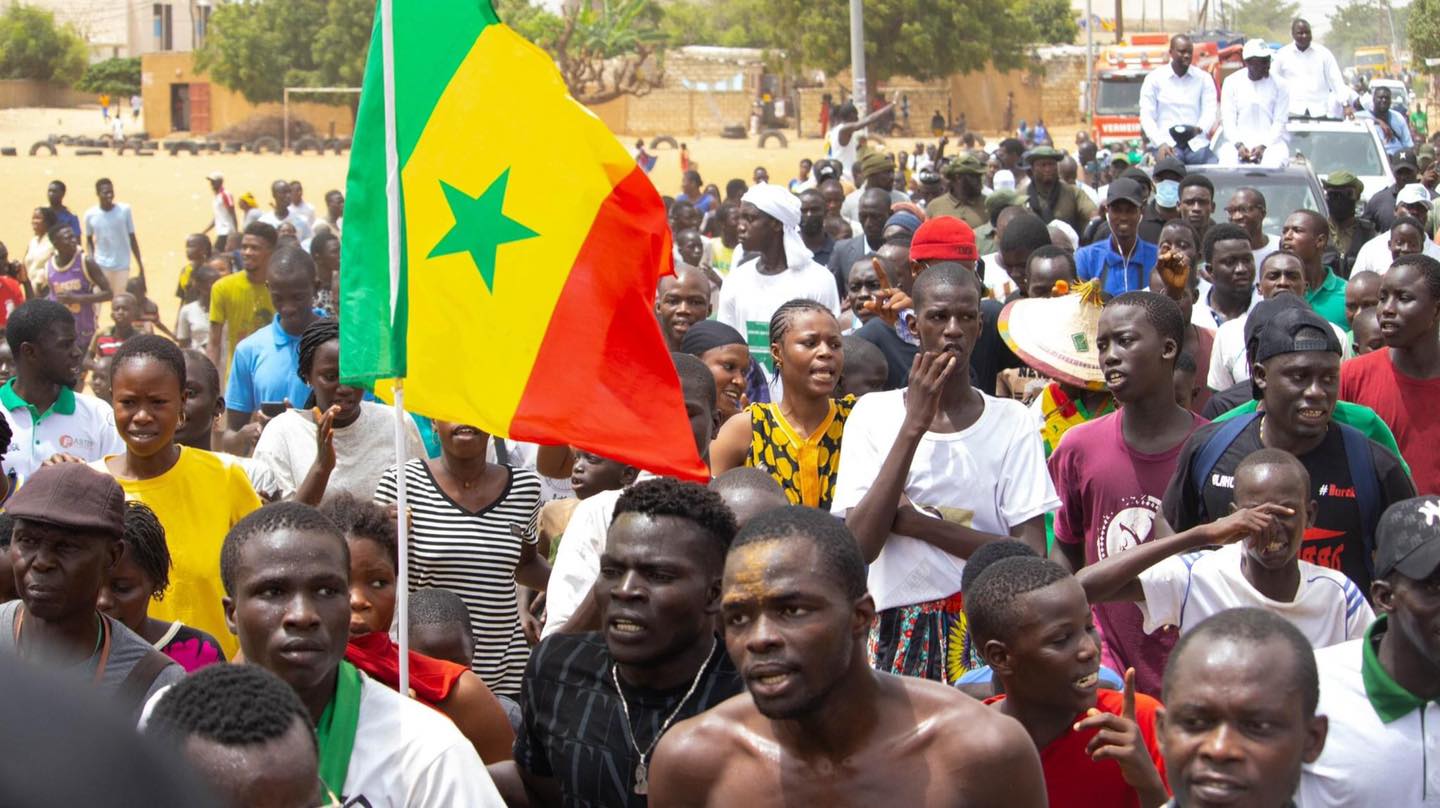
927 640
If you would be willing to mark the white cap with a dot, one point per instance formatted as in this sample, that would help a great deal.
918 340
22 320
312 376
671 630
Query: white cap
1255 49
1413 194
1004 180
215 176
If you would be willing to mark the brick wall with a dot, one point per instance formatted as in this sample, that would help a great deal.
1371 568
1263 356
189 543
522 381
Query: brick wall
1053 95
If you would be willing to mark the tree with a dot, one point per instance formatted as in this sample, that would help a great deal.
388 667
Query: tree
34 46
604 49
924 39
1423 29
1359 23
1266 19
1054 21
259 48
117 76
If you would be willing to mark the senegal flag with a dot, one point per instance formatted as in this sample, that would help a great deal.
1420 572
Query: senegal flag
529 247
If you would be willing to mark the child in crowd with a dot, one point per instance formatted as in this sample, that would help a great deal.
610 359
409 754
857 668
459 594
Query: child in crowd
99 370
142 575
147 313
1177 582
591 474
865 370
197 254
1365 331
449 687
124 311
192 326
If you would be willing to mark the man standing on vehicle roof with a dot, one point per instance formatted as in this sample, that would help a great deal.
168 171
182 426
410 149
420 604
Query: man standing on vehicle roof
1253 110
1311 76
1179 94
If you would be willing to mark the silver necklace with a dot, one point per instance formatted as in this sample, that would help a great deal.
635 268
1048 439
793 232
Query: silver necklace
642 769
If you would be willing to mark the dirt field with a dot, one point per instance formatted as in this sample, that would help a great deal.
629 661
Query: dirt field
171 199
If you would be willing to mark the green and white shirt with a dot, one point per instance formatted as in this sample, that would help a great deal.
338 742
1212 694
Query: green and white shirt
1383 748
76 424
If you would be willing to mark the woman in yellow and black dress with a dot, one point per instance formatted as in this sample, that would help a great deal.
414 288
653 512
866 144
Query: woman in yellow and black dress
798 439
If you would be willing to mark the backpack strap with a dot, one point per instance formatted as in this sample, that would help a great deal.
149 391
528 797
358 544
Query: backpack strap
1367 487
502 452
1204 460
136 685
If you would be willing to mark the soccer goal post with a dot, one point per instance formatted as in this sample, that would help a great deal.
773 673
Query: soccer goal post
309 91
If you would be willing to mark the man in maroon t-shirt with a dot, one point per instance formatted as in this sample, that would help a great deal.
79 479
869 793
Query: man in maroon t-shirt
1111 473
1402 383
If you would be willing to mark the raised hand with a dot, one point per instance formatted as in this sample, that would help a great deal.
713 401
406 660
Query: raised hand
1174 269
928 374
1118 738
1262 522
325 436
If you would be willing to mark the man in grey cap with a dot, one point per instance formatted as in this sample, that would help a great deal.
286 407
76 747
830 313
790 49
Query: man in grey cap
1382 692
1051 198
69 520
966 197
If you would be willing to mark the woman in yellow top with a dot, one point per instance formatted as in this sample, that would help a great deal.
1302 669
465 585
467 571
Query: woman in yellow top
197 495
797 440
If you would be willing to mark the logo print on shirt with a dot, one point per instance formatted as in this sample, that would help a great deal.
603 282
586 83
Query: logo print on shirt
1128 527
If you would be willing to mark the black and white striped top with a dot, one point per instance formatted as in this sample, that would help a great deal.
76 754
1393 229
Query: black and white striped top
474 555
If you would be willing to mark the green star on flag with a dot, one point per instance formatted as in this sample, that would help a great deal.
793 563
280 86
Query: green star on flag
481 226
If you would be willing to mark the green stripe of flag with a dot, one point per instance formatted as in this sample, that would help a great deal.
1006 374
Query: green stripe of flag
431 40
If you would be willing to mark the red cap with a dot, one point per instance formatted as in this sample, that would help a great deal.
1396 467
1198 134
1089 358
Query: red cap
944 238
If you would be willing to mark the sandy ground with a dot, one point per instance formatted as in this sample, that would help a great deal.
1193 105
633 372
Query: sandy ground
171 198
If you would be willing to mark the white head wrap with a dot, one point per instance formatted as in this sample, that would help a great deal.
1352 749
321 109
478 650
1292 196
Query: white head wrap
1004 180
783 206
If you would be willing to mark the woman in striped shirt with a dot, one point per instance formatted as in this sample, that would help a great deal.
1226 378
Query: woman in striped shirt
473 532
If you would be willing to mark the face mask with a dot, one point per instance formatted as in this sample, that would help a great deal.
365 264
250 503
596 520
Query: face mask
1167 193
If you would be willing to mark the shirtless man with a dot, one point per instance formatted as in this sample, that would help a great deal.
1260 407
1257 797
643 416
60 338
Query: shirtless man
818 726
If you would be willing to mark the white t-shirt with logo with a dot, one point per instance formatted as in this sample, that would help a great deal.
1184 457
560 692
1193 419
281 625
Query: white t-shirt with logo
1183 590
87 433
408 755
990 477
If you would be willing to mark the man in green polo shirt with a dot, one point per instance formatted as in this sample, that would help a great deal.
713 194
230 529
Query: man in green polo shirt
47 417
966 198
1306 235
1382 693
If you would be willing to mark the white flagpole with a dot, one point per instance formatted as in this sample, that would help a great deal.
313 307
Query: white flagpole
402 523
392 196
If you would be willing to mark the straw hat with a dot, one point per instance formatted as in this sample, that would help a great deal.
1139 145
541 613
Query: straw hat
1056 335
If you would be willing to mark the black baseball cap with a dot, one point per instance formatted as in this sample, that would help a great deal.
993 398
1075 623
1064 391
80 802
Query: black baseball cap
1126 189
1280 334
1170 165
1408 539
1265 311
1405 157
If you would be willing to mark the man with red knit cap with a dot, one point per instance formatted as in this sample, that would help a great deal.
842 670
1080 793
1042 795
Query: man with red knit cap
938 240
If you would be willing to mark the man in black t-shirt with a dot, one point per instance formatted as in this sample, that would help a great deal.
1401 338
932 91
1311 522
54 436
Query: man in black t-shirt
596 704
1297 376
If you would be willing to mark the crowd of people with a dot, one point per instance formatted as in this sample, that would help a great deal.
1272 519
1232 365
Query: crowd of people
1033 482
